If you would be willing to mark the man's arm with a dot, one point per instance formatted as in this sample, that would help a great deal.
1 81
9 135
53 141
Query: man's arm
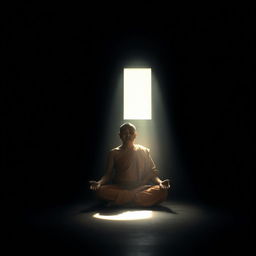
108 173
156 180
164 184
151 174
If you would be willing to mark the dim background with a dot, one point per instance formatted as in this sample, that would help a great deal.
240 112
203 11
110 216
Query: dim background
59 75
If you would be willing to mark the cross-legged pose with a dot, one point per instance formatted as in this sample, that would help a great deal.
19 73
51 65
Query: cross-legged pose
130 173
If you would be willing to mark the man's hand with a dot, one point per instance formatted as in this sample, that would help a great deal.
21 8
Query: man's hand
165 184
95 185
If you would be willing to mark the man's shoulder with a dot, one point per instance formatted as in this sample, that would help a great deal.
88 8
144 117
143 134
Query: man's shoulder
113 150
138 147
141 148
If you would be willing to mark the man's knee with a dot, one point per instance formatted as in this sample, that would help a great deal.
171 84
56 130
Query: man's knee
107 192
163 193
153 196
100 192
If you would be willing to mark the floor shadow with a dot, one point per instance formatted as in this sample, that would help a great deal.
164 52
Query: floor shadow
162 208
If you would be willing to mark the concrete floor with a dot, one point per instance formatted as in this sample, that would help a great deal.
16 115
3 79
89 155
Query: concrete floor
176 228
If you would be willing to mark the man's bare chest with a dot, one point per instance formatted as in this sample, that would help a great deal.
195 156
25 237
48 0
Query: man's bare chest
124 159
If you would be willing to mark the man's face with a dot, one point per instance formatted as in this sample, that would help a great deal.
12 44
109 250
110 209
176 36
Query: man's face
127 134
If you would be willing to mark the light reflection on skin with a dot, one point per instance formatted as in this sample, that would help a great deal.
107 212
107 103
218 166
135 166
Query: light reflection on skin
128 215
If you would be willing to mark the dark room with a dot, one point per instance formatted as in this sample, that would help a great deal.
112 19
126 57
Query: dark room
81 83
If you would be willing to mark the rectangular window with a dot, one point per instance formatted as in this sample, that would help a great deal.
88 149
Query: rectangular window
137 93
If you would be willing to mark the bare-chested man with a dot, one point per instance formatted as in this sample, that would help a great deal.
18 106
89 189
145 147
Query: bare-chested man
130 169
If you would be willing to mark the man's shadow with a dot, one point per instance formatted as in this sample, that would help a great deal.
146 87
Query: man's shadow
104 209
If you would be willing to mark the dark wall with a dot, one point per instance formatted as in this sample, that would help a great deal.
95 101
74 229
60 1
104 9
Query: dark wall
58 76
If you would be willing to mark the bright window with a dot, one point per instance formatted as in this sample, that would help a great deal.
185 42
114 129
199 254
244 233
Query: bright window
137 93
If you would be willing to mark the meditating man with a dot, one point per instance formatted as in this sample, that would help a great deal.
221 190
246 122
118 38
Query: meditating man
130 172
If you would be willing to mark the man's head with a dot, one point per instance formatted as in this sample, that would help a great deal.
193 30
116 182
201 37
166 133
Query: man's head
127 132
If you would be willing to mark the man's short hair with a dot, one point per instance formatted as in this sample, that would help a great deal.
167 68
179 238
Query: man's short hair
129 125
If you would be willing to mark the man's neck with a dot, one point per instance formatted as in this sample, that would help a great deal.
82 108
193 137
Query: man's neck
128 146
